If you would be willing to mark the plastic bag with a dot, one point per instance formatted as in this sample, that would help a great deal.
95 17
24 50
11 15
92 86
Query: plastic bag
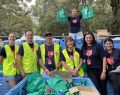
57 83
35 84
87 12
61 16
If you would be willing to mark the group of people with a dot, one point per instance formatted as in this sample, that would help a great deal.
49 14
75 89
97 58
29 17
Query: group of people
29 57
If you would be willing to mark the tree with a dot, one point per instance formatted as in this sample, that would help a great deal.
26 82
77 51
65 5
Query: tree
13 18
116 19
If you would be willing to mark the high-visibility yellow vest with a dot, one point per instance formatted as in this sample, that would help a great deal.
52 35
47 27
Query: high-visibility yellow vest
56 54
70 63
29 61
8 62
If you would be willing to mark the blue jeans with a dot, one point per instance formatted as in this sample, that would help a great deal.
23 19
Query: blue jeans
109 88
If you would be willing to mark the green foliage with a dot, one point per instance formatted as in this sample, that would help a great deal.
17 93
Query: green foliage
13 18
41 17
45 10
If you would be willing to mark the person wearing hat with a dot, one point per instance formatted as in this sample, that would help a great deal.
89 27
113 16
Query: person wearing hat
48 55
27 55
71 59
9 59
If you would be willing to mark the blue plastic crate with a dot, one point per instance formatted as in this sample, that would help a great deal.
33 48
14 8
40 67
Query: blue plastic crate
62 44
100 41
3 86
56 41
5 42
39 42
78 80
18 89
116 43
79 43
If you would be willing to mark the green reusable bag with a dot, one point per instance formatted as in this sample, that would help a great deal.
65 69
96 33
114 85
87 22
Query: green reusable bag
61 15
1 68
84 66
35 83
57 84
40 92
87 12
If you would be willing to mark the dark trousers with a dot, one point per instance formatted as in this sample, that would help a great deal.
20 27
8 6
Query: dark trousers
101 85
115 79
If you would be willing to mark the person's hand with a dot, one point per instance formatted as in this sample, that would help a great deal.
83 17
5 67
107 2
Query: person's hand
15 65
103 75
48 72
55 70
23 74
74 73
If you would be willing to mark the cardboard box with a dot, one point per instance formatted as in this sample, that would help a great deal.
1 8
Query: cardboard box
84 90
102 33
65 75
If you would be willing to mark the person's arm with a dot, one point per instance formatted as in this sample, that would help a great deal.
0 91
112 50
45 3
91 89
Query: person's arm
20 57
80 63
43 67
103 74
102 54
59 65
2 54
41 62
67 67
20 66
1 59
79 66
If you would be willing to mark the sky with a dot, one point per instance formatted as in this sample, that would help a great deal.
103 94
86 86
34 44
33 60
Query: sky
31 3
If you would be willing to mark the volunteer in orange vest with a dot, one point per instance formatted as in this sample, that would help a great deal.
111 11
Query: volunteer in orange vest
48 55
9 60
27 55
71 59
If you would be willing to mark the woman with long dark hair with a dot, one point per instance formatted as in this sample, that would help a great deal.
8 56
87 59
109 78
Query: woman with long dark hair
94 56
113 61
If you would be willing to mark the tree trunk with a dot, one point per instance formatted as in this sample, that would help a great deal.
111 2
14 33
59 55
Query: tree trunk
116 19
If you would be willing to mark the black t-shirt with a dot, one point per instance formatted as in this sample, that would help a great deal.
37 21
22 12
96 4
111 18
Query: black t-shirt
62 57
74 23
21 49
3 51
49 57
113 59
93 56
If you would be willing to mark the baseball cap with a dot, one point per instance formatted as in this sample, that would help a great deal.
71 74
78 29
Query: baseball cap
48 34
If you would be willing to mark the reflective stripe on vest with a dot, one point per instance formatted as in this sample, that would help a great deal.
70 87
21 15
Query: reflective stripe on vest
56 54
8 62
70 63
29 61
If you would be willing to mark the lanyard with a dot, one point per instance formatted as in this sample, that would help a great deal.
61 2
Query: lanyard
50 51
